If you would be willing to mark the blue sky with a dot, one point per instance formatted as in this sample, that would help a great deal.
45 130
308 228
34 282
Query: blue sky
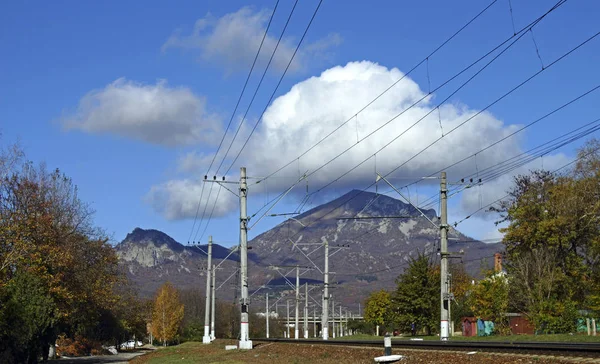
130 99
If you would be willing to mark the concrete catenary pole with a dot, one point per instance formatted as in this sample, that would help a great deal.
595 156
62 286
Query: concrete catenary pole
288 319
341 325
325 317
245 342
296 321
306 310
315 321
332 318
206 337
212 303
445 303
267 313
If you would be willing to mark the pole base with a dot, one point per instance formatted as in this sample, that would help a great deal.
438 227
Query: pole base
245 345
206 340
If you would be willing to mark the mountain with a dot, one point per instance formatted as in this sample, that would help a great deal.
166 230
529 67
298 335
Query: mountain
366 253
151 257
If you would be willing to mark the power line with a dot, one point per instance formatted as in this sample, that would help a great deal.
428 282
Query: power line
233 115
258 87
274 91
507 195
250 105
384 91
503 96
277 86
486 176
527 153
520 34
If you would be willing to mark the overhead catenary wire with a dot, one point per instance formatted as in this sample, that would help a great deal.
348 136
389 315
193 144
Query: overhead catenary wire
555 61
249 106
471 117
507 195
519 35
524 158
503 96
464 122
561 141
257 87
446 41
273 93
233 113
277 86
563 106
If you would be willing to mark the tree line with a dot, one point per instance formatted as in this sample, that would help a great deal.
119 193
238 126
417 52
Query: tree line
551 227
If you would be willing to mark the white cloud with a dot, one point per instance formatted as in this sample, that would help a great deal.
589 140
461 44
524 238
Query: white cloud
194 162
178 199
157 114
312 108
233 39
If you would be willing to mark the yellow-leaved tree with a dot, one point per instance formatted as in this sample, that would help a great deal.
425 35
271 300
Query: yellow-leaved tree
167 313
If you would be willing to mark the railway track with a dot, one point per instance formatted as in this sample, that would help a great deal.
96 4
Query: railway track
539 348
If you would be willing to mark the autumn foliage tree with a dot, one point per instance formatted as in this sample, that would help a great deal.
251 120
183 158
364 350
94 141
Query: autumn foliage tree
167 313
377 308
489 300
58 274
557 215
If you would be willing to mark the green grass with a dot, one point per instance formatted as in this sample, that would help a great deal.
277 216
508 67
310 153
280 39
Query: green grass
510 338
191 352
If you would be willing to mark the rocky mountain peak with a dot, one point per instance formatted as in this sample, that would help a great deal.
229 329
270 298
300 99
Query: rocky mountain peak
363 204
150 236
150 248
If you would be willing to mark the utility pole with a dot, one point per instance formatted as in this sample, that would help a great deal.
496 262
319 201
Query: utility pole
315 321
245 342
296 322
206 337
332 318
267 314
325 318
341 326
306 310
288 319
445 303
212 299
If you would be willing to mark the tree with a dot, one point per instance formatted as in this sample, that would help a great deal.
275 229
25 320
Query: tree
560 214
377 308
27 317
48 242
536 291
460 288
417 296
167 313
489 301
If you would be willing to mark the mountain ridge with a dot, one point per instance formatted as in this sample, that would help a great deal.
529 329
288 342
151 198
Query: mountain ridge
375 250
